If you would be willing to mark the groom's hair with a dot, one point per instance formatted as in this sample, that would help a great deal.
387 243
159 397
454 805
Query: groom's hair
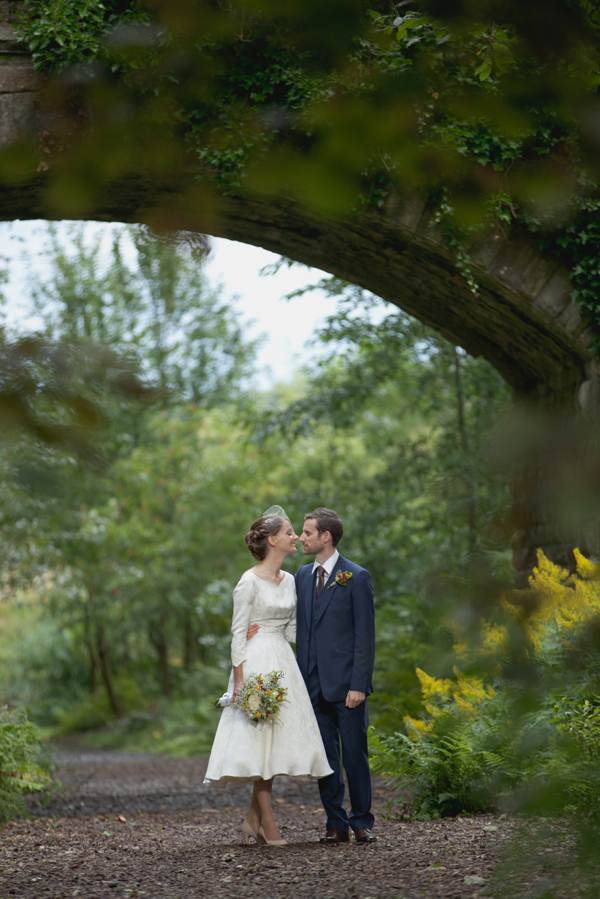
327 520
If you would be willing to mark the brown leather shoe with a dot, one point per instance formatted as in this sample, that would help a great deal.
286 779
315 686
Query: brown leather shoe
363 835
335 836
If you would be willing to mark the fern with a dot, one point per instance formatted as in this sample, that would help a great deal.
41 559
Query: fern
20 770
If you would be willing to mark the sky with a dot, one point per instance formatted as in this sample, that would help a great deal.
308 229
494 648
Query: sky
288 325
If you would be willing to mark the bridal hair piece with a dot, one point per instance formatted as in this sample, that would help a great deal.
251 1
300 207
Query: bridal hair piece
276 512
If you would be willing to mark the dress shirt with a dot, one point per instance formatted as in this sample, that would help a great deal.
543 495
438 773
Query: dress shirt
329 565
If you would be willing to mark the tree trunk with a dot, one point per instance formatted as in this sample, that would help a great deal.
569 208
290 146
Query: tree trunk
189 643
107 674
471 507
94 662
158 638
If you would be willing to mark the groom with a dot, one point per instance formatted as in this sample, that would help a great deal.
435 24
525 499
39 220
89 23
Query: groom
335 648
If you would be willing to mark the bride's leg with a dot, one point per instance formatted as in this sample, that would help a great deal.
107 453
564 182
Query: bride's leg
262 791
253 816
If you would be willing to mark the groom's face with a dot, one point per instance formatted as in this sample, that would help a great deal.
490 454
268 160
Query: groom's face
310 538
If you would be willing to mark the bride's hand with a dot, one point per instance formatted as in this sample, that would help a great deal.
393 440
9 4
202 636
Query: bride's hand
252 631
238 680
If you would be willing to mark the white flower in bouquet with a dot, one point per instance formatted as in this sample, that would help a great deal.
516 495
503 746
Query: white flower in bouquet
254 703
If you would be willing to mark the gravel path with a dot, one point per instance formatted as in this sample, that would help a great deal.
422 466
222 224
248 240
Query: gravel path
145 826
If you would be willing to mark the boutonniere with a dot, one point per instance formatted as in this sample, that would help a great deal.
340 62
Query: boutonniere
341 578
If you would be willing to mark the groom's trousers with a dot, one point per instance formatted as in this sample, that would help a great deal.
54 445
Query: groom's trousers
348 727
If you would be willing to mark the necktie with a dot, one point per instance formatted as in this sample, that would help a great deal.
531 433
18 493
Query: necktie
320 579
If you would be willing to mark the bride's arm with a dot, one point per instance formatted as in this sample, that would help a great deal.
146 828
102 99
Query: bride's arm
242 610
290 628
238 679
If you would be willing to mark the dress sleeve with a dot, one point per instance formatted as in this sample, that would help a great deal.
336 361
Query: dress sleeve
290 628
243 597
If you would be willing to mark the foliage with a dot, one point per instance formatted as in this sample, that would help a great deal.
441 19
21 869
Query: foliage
158 312
321 99
53 392
144 557
177 340
427 412
523 734
136 559
20 771
487 110
66 32
577 244
182 726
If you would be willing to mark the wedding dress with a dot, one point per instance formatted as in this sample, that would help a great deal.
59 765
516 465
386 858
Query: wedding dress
290 743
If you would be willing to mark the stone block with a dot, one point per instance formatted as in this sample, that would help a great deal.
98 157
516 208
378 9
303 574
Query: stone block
431 229
16 116
4 12
589 397
483 251
570 319
537 275
407 212
555 295
9 43
513 266
17 78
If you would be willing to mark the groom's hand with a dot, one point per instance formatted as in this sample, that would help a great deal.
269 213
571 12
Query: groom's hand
252 631
355 698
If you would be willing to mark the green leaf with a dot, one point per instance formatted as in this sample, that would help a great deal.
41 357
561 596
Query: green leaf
484 71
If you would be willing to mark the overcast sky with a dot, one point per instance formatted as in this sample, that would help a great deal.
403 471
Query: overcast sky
287 324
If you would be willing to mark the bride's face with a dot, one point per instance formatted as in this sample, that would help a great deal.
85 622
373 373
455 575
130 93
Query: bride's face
285 539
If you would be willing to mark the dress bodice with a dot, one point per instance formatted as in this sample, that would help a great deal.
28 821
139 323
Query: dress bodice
256 601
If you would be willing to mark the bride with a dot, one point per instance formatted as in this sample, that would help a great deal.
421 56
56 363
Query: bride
290 743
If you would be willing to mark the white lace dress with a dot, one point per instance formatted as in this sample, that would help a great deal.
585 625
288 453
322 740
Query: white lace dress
291 743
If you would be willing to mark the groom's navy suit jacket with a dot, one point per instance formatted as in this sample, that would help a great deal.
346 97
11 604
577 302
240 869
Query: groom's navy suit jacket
344 630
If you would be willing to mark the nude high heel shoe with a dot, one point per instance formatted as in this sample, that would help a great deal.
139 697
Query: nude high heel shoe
250 832
261 833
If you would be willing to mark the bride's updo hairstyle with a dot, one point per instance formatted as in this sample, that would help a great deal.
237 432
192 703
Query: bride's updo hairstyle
260 531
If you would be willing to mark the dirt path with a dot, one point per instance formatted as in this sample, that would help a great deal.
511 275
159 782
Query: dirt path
144 826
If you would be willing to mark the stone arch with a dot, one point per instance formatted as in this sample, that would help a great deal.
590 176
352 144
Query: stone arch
521 318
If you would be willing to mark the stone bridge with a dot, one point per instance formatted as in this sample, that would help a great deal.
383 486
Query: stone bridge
521 319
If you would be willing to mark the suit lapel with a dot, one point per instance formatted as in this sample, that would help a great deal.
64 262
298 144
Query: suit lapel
330 586
307 587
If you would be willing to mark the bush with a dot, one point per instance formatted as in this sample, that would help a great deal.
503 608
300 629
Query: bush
518 725
20 771
94 711
183 725
62 33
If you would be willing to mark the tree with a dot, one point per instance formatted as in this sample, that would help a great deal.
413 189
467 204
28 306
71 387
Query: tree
186 345
427 412
158 311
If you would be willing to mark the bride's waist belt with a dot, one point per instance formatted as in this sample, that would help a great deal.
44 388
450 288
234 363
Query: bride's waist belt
271 628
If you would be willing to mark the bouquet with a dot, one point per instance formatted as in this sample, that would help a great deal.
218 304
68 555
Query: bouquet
260 697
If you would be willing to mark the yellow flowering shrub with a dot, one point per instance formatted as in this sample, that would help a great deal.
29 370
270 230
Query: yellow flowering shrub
532 718
556 603
564 601
439 694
